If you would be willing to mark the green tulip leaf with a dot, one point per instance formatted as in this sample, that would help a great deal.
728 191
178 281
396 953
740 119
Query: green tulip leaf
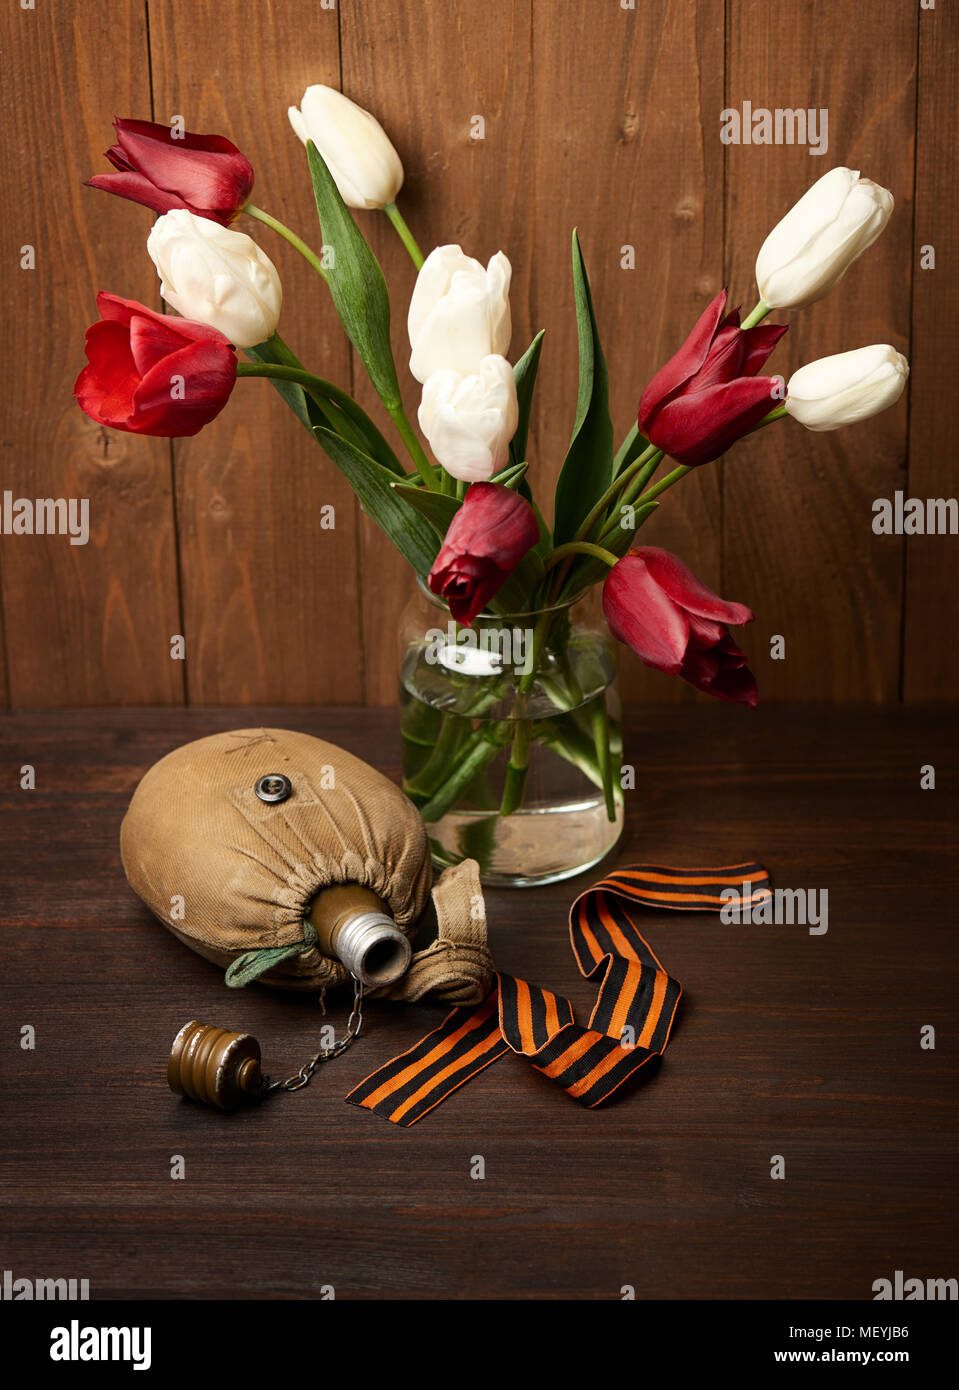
624 538
356 283
350 420
588 468
524 374
545 543
305 409
516 595
631 450
437 507
586 571
374 486
512 476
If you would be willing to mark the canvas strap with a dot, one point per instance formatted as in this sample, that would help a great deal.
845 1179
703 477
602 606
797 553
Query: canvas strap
630 1022
457 967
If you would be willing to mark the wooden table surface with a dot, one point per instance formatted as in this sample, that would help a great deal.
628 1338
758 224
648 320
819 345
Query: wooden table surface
786 1044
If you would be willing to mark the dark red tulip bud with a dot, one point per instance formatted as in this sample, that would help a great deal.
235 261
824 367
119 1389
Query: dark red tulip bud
206 174
487 538
708 395
153 373
674 623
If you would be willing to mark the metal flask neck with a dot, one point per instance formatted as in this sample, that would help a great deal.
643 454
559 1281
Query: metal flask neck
354 927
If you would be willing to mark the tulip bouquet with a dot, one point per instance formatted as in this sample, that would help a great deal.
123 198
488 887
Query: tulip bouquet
478 715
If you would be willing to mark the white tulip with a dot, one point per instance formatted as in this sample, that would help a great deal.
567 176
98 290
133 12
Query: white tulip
355 147
459 313
817 241
851 386
470 420
217 276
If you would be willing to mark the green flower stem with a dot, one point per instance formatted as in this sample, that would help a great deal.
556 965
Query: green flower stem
319 391
540 633
282 349
291 236
449 743
600 726
635 476
486 743
615 532
445 746
404 234
779 413
340 424
565 739
639 482
571 548
516 769
456 762
285 372
652 493
757 315
556 591
413 446
614 488
471 753
563 700
575 690
415 752
625 447
566 699
477 840
419 726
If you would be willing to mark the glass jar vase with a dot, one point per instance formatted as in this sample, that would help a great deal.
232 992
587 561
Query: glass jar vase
511 737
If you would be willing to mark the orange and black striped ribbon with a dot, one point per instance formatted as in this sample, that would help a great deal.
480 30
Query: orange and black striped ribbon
630 1022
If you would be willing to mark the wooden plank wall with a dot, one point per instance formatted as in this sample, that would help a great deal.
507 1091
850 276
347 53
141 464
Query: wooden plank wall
596 115
798 508
930 651
85 624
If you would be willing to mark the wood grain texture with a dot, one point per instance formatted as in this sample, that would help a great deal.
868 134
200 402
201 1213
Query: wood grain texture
84 624
595 116
426 71
789 1044
592 117
799 547
931 653
270 598
4 678
621 148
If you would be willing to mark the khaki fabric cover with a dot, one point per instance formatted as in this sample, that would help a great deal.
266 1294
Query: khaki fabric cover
229 873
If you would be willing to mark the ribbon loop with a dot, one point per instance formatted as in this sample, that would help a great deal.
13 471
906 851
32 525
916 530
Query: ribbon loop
630 1022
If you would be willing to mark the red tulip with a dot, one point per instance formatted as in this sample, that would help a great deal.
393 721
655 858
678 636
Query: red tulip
708 395
486 540
674 623
206 174
153 373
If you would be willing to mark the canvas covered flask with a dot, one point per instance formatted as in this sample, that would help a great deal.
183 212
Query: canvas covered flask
234 840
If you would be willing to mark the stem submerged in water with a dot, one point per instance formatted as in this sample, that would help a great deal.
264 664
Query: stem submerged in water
516 769
482 748
600 725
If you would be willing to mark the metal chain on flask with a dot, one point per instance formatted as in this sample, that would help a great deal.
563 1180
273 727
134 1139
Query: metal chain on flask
326 1054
